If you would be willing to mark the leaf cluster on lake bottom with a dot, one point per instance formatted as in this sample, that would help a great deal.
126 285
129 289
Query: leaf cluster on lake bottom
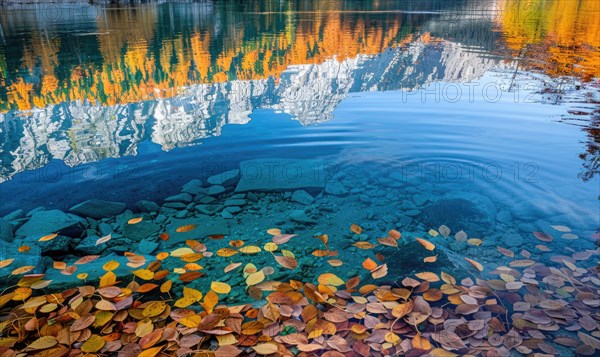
531 308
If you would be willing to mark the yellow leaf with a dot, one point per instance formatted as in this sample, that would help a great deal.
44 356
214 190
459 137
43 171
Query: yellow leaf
440 352
192 293
111 265
250 249
82 276
227 339
184 302
177 253
191 257
42 343
144 274
274 231
226 252
421 343
447 278
210 300
330 279
135 220
108 279
150 352
21 294
6 262
166 286
255 278
475 241
155 308
265 348
221 288
433 233
392 338
22 270
93 344
288 253
270 247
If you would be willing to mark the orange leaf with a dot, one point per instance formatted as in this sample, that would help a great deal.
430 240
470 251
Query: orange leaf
431 259
363 245
48 237
421 343
356 228
428 245
428 276
369 264
395 234
474 263
186 228
135 220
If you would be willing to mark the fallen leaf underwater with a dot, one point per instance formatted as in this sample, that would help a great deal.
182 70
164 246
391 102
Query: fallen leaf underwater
531 309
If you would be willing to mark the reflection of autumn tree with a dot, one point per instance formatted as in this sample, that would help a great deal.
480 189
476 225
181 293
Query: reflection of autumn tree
143 58
557 37
591 157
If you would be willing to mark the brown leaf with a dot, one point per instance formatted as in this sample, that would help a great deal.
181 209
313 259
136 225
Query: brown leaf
286 262
283 238
356 228
543 236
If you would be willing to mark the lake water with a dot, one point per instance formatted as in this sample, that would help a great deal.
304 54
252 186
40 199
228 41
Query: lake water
481 116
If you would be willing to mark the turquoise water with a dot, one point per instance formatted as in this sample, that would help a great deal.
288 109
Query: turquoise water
425 122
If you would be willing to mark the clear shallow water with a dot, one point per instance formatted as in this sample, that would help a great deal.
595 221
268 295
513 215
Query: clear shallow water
125 104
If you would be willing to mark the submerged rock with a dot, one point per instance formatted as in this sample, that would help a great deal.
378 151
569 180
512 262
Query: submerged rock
33 257
216 190
182 197
456 213
16 214
194 187
59 243
280 175
302 197
98 208
6 231
208 209
512 240
147 246
301 217
336 188
204 227
88 245
46 222
235 202
225 179
140 231
147 206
